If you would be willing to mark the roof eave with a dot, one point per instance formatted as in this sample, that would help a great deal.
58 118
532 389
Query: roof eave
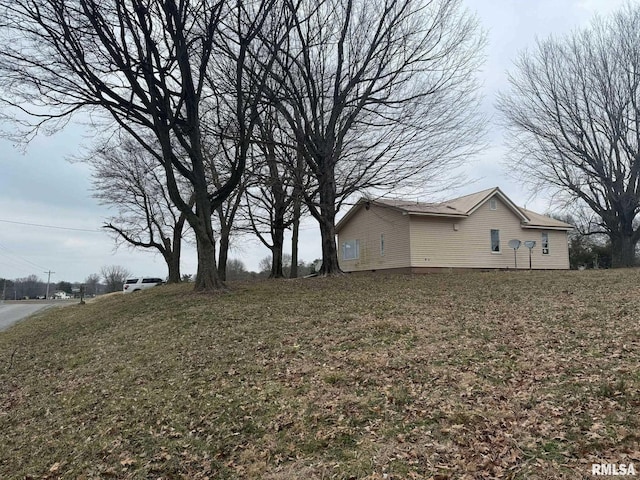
547 227
366 203
431 214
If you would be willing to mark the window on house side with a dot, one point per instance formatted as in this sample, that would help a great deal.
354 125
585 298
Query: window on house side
495 241
545 243
382 244
493 204
351 250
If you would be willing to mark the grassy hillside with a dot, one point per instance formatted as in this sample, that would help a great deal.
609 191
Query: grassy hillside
501 374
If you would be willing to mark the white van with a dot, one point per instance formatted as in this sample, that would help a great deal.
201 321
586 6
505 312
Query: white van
142 283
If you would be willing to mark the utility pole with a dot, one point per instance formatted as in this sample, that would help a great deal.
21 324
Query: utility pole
4 291
48 281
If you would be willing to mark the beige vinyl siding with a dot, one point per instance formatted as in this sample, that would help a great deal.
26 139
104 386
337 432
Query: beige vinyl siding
366 226
558 257
435 242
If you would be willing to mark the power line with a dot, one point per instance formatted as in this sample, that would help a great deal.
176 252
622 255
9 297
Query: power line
10 263
51 226
17 257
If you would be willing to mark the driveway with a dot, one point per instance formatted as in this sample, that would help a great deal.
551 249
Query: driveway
12 311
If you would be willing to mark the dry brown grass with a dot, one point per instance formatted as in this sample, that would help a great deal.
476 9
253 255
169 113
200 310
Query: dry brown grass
477 375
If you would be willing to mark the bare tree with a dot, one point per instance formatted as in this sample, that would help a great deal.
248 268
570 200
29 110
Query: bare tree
236 269
226 224
114 277
146 65
92 282
29 287
377 93
220 152
129 179
273 196
264 266
574 114
297 206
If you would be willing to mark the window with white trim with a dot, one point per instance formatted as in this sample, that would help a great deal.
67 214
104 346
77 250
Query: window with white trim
495 241
351 250
493 204
545 243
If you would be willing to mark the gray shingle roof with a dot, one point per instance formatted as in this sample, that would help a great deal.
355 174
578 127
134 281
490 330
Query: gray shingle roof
463 207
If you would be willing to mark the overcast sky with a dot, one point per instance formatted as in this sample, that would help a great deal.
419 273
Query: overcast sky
40 189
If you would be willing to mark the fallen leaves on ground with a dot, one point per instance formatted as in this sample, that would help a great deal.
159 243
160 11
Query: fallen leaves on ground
477 375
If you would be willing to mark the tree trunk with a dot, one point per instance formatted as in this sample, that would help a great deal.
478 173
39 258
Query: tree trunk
276 251
623 251
171 251
330 265
173 264
207 279
175 251
223 254
294 240
327 221
297 209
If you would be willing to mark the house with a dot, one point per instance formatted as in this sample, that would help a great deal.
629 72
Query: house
470 232
61 296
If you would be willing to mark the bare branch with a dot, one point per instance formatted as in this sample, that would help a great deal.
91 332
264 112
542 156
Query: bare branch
575 126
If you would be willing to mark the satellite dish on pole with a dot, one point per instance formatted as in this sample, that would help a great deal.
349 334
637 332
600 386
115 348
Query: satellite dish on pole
515 244
530 244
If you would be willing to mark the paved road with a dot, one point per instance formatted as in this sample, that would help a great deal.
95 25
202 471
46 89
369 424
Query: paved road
11 312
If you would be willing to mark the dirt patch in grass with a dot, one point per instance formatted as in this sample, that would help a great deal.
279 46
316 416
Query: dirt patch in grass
476 375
